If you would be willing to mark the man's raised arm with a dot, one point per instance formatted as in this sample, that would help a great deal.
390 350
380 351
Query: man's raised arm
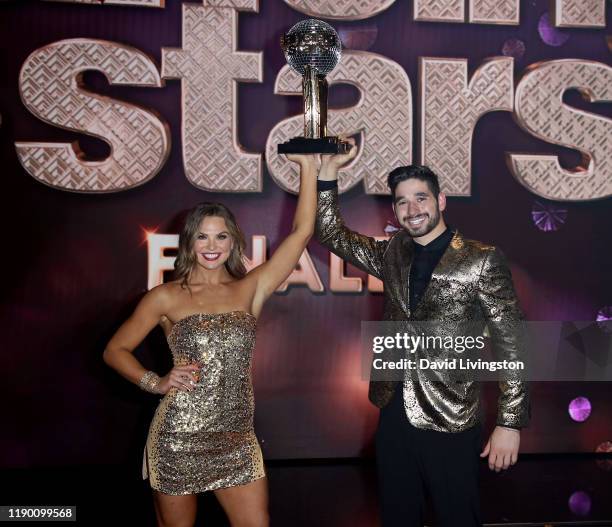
362 251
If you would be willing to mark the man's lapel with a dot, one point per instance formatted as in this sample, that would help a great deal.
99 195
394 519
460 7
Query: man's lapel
405 263
447 264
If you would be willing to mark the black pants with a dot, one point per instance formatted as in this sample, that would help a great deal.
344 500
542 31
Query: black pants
411 460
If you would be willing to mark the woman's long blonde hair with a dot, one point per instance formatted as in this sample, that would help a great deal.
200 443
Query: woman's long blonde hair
186 259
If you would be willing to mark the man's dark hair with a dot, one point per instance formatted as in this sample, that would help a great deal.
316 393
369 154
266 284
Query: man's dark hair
420 172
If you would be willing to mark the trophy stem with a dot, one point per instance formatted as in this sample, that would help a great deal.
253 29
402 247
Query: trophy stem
314 88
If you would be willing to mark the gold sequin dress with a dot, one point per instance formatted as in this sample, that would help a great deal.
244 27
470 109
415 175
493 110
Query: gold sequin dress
204 439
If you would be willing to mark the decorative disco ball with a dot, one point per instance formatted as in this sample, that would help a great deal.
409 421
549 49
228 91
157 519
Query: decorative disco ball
514 47
580 503
548 217
604 464
549 33
604 319
312 43
580 409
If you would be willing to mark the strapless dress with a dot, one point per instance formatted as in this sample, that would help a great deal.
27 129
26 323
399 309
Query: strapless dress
204 439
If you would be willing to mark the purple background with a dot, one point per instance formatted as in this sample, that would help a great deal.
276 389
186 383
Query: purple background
75 264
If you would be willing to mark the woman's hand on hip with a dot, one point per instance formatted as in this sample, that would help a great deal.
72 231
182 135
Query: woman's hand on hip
183 378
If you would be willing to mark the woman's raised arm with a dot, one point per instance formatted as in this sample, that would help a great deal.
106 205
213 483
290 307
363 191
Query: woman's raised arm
273 273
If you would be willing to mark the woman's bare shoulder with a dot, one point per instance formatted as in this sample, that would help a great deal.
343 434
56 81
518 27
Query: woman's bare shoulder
166 294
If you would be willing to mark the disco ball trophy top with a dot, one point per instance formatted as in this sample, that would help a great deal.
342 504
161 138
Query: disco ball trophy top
312 48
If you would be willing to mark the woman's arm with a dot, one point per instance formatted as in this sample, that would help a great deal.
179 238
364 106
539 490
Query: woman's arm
119 351
274 272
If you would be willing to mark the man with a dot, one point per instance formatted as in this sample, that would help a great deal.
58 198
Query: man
428 437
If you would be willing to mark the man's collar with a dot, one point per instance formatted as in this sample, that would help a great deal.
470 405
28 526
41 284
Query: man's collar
456 241
438 243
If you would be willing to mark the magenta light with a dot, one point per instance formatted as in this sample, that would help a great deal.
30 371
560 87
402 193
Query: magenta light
580 409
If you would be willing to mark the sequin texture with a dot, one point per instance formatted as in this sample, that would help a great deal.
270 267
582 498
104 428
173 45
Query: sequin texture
204 439
472 282
149 381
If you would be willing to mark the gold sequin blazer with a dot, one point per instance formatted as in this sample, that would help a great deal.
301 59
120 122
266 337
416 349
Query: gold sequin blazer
471 282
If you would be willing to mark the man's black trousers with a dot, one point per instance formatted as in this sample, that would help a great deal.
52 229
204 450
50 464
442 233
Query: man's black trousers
413 462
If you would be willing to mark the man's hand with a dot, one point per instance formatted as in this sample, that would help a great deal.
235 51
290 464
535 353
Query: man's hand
331 163
502 448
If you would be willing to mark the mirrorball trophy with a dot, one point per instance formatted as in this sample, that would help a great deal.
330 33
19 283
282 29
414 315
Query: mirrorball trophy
312 48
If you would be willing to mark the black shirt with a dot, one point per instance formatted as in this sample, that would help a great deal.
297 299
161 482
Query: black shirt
425 259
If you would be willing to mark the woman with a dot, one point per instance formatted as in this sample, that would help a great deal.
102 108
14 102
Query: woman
201 437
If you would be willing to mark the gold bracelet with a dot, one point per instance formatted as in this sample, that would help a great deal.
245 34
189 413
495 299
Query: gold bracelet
149 381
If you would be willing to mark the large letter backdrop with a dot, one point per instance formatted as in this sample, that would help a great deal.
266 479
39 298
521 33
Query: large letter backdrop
120 115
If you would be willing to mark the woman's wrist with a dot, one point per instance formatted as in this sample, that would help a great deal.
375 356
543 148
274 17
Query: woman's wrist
149 382
308 162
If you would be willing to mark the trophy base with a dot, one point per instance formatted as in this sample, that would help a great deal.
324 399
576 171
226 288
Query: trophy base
305 145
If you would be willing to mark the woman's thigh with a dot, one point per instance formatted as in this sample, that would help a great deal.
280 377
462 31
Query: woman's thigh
246 505
175 511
